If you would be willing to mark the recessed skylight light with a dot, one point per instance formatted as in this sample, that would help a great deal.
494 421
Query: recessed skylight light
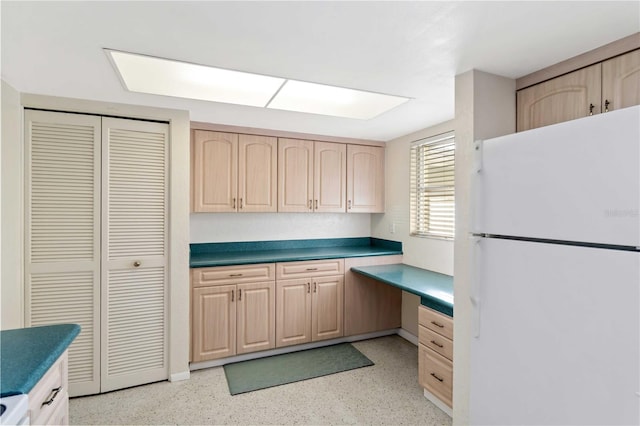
158 76
147 74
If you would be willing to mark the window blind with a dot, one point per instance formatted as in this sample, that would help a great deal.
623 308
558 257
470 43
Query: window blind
433 187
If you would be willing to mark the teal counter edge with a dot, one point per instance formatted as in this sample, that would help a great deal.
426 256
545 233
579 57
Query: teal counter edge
27 353
252 252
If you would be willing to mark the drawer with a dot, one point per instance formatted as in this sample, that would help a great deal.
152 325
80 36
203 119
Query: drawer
435 374
201 277
49 393
310 268
436 321
436 341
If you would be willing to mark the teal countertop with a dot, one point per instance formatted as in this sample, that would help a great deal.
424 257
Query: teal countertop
251 252
435 289
27 353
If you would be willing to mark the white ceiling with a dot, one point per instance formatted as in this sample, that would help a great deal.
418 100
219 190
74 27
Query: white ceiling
411 49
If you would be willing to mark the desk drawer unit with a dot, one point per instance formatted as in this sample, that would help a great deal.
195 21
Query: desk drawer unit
435 354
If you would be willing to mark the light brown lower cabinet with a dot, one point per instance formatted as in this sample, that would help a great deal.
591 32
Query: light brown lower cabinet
232 319
435 354
49 398
309 309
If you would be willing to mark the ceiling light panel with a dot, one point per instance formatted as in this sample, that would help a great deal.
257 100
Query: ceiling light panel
147 74
330 100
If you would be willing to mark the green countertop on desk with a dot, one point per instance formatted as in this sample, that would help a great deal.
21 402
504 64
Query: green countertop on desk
435 289
27 353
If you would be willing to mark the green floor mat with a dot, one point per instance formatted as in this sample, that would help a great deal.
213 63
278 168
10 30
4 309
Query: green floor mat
247 376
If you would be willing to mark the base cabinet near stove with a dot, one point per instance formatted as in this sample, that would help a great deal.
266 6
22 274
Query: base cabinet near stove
435 356
233 310
49 398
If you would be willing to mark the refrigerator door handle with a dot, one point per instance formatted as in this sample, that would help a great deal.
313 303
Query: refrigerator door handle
474 284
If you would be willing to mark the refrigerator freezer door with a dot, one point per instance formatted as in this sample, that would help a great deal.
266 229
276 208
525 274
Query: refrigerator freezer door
574 181
559 339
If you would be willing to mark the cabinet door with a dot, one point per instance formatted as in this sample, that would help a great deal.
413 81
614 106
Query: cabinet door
365 179
293 312
370 305
561 99
295 175
213 328
327 307
621 81
257 173
329 177
256 330
215 171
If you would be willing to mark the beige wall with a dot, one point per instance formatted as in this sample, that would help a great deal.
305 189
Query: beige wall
485 108
178 213
11 284
394 224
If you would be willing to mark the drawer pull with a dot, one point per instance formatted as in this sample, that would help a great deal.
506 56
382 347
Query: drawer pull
437 344
53 394
437 324
235 275
312 269
437 378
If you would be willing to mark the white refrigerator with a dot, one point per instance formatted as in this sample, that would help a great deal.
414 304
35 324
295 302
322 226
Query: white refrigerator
556 275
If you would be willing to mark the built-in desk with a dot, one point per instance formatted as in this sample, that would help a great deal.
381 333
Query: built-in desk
435 289
435 348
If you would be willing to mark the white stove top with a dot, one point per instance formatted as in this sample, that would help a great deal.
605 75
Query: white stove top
15 412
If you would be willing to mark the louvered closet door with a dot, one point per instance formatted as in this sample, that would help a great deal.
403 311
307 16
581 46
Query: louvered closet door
134 241
62 234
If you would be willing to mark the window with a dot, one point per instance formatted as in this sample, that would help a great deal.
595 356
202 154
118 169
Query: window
433 187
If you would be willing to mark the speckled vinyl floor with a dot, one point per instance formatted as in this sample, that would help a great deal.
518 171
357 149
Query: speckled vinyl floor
386 393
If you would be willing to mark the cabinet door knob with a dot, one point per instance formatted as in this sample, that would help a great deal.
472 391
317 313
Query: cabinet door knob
316 204
310 205
308 287
137 263
591 107
240 203
606 105
239 295
232 293
315 287
234 203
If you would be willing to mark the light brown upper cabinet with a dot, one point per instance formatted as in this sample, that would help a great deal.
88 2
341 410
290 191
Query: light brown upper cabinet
234 173
365 179
311 176
564 98
602 87
621 81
